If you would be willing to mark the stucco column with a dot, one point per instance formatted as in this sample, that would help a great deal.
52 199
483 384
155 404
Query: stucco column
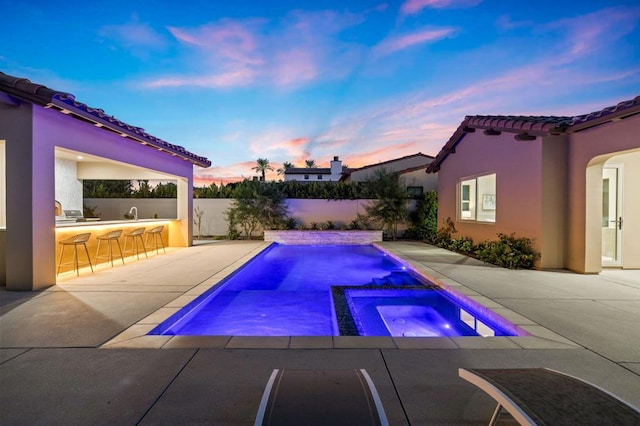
593 219
183 235
30 234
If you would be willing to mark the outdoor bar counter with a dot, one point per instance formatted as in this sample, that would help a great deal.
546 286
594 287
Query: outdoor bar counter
66 230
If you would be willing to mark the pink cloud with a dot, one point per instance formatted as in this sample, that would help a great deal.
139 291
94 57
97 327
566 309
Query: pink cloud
396 43
234 41
304 48
294 67
411 7
237 78
134 35
589 33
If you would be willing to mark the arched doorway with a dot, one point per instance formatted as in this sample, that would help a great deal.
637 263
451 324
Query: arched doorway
613 206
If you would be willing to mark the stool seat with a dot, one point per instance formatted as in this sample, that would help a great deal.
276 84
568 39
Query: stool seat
133 236
109 237
155 234
79 239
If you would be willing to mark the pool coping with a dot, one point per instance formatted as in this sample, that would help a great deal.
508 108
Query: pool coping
135 336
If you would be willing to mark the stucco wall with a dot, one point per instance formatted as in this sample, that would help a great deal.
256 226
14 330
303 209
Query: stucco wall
588 151
68 188
517 166
428 182
3 257
3 186
391 166
214 222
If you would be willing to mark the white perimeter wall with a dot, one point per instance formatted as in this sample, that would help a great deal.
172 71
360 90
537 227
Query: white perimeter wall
214 220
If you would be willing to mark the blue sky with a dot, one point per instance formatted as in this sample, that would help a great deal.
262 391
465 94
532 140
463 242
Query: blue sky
294 80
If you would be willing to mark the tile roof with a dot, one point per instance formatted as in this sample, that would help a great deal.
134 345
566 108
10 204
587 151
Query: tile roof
428 157
533 125
308 171
66 103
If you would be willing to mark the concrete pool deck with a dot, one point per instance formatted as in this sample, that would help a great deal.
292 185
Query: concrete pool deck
76 353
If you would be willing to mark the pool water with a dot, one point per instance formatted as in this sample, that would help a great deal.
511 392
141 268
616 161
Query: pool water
325 291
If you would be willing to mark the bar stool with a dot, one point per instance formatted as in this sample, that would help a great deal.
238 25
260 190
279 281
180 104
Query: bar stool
155 233
75 241
134 236
109 237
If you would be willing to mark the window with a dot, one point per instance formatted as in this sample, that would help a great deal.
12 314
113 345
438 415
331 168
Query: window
414 191
319 177
306 177
478 199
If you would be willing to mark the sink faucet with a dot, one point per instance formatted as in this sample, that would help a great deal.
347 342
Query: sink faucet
134 212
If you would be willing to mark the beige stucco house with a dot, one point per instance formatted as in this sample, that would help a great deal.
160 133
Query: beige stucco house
333 173
49 143
572 184
410 168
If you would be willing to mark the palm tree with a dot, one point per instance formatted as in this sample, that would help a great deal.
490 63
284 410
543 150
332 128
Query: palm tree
285 166
262 166
311 164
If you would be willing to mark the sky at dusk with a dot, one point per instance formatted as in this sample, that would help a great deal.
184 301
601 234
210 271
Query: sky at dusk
289 81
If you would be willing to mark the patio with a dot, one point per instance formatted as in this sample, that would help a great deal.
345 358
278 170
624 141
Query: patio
76 353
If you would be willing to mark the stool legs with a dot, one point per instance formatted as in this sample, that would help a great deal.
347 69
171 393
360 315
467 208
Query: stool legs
135 245
155 236
109 256
76 265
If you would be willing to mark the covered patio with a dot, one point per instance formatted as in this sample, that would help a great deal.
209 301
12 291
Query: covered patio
49 142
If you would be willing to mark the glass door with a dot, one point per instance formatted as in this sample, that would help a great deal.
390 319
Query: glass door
611 216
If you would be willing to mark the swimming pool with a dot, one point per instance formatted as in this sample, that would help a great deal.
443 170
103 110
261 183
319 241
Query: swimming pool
332 290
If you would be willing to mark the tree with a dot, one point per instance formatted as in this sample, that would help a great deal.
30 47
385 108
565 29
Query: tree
106 188
262 167
198 213
285 166
390 208
256 205
310 164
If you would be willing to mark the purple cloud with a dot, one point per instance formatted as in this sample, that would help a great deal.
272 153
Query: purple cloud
411 7
396 43
303 48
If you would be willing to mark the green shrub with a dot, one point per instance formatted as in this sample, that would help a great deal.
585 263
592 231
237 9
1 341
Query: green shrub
424 220
290 223
462 245
508 252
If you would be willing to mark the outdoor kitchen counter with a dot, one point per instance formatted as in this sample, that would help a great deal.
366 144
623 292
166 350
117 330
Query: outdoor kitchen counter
68 230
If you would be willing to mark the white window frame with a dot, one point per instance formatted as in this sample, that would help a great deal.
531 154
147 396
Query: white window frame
476 198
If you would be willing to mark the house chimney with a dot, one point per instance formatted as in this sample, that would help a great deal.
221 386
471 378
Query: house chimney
336 168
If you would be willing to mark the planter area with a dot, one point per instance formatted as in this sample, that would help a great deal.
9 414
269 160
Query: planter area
323 237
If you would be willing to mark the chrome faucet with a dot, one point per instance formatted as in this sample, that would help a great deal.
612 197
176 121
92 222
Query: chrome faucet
134 212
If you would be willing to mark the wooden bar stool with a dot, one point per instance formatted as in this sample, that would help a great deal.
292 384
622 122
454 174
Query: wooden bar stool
109 237
75 241
155 234
134 236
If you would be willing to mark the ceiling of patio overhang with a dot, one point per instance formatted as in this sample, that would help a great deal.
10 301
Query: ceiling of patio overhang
94 167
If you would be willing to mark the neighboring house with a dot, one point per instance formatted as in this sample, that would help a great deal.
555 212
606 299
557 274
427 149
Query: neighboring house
569 183
49 143
411 168
316 174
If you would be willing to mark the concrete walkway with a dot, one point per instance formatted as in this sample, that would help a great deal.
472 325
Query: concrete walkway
77 353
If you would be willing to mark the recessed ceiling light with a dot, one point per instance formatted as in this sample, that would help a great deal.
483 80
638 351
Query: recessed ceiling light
79 157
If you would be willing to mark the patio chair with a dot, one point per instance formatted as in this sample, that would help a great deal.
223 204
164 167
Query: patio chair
541 396
320 397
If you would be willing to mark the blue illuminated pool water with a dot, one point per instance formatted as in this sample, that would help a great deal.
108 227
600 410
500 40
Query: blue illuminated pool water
323 291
